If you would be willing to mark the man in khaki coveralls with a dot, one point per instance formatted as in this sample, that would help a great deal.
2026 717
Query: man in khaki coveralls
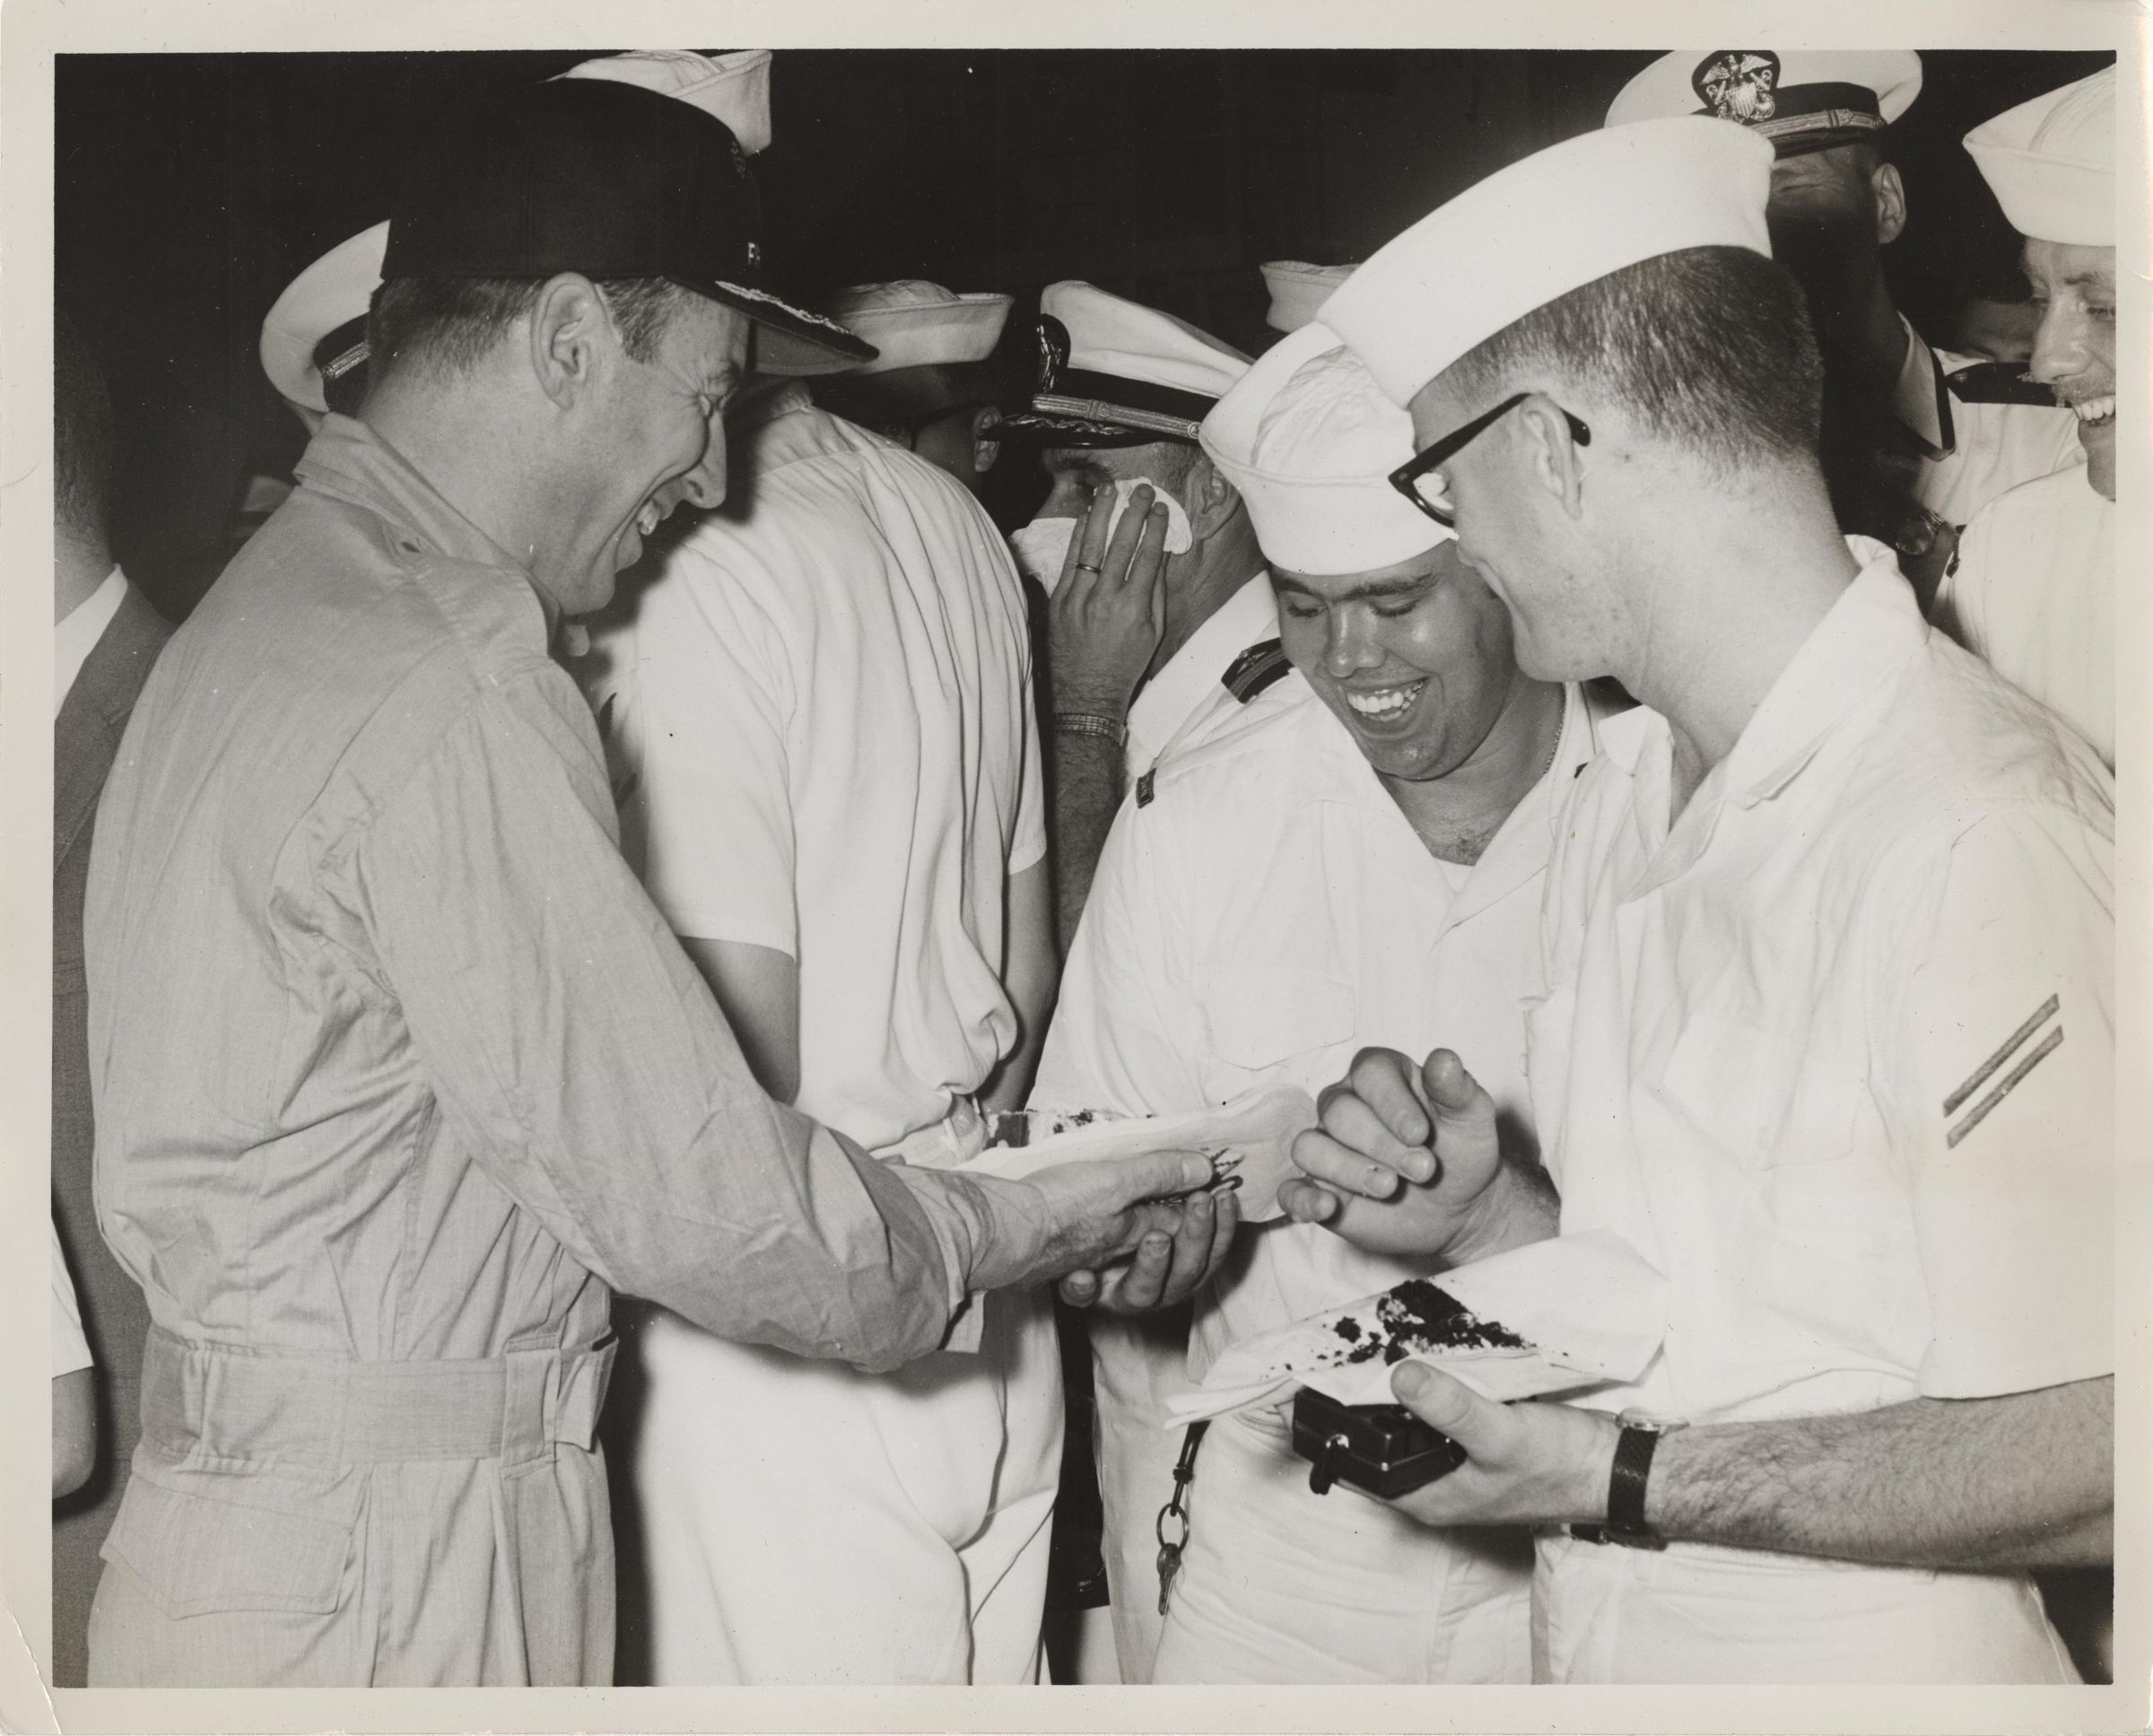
398 1072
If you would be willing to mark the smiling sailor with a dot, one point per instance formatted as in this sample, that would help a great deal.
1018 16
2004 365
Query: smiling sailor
1829 1031
2034 589
1360 864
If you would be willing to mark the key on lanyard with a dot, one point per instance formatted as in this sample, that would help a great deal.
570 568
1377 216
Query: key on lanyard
1176 1513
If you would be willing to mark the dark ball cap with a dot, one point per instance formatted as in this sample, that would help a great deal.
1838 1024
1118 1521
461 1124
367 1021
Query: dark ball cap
610 180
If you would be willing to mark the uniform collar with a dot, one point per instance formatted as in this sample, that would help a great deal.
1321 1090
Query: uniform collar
348 460
1850 658
1172 695
1920 398
1850 655
779 425
1523 842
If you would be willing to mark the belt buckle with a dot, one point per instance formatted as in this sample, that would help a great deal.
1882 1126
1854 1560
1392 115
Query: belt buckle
580 1383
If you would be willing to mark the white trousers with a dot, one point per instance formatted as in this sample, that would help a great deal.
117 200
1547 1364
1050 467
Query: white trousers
1693 1613
1282 1586
807 1524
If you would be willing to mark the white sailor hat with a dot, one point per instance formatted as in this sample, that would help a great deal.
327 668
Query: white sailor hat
315 334
1298 291
2051 162
735 87
1802 100
1555 221
1310 441
935 344
1113 372
915 324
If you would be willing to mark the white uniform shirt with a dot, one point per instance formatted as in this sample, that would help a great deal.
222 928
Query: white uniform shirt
2033 593
825 712
70 1348
1269 912
1185 704
1766 1052
1262 913
1994 446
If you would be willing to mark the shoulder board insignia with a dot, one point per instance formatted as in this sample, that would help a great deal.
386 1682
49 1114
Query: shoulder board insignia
1256 669
1999 382
1146 787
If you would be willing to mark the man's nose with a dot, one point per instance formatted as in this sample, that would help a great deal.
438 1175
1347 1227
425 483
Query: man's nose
706 481
1349 642
2059 345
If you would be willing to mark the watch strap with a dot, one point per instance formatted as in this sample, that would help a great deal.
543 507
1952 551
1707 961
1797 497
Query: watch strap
1633 1450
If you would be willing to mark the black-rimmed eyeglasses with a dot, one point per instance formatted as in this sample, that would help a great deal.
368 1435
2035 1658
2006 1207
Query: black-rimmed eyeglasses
1420 478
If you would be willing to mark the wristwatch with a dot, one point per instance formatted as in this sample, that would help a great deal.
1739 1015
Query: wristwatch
1633 1448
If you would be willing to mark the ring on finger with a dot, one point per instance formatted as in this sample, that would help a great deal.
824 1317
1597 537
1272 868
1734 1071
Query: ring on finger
1086 566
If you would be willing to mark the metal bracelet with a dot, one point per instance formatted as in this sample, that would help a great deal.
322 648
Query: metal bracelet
1090 723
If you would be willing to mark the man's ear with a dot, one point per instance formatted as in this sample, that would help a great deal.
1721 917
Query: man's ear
1209 497
572 338
1551 452
1890 194
985 449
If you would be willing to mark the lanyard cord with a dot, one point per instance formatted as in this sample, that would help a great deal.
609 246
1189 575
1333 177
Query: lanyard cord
1175 1512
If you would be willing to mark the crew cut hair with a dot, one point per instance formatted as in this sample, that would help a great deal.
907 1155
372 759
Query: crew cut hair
84 438
449 324
1710 348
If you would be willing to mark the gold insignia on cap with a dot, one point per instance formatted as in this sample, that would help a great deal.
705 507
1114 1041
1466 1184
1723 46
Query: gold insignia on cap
1053 351
1738 85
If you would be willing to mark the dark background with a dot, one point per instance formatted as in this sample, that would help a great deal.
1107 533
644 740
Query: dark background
190 188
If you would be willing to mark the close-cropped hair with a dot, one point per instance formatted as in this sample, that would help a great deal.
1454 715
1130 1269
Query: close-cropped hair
1709 348
84 438
449 324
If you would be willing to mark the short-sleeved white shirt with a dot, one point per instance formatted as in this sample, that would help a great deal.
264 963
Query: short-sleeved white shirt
1773 1028
1266 913
2033 594
1994 448
819 723
70 1348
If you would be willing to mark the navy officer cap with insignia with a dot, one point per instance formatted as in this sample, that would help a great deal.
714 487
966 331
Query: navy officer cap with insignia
608 179
1801 100
1114 373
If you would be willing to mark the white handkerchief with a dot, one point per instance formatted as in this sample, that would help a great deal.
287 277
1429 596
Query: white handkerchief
1553 1316
1257 1128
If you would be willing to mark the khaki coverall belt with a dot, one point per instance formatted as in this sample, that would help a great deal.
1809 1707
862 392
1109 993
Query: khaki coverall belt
206 1399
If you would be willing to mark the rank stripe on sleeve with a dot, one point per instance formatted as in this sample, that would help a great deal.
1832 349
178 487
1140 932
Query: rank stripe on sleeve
1979 1111
1980 1075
